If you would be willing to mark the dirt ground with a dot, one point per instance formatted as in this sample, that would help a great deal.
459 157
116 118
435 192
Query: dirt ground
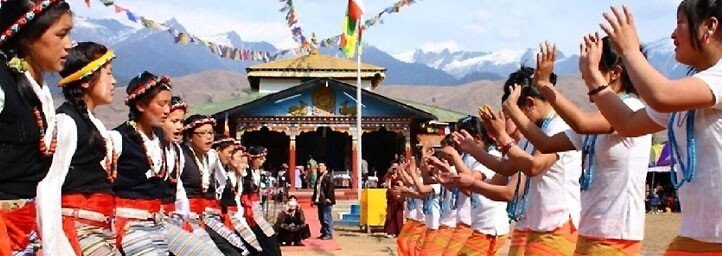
659 230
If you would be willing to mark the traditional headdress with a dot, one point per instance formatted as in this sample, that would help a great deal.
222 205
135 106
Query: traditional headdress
177 103
25 19
141 89
87 70
199 122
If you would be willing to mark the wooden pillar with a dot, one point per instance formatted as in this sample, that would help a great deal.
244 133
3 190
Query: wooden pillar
354 162
292 160
407 145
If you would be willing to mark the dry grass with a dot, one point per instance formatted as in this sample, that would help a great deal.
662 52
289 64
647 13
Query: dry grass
659 230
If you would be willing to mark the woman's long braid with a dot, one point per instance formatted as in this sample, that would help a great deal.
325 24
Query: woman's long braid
74 95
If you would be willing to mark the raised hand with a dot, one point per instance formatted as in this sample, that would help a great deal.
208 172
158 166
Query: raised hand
447 179
590 54
621 30
448 153
465 180
442 165
545 64
464 140
495 124
513 98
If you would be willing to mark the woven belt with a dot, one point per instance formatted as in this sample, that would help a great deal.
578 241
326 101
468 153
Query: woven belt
86 215
12 205
138 214
213 211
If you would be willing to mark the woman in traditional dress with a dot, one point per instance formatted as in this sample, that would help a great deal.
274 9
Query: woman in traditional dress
34 38
204 179
550 204
251 206
87 156
612 216
689 108
143 168
233 157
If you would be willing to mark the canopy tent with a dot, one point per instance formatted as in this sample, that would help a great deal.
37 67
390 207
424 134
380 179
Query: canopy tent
659 158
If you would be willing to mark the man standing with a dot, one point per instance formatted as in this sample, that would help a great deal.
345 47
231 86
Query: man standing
324 198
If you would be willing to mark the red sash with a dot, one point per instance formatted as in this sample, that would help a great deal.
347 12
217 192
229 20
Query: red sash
15 227
100 203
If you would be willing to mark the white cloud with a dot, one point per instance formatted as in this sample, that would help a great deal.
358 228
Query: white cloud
476 28
451 45
509 33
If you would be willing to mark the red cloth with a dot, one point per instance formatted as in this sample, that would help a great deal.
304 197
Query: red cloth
247 201
394 214
101 203
152 206
168 207
230 210
15 227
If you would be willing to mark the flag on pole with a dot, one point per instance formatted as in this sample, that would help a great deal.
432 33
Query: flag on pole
351 29
226 129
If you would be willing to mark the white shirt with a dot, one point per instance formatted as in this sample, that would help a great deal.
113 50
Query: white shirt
412 211
463 204
701 206
489 216
554 194
449 216
432 217
2 100
613 206
46 106
419 210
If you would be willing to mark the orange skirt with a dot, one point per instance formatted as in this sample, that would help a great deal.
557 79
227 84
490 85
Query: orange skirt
562 241
429 248
518 242
600 246
411 231
462 232
683 246
415 246
482 244
443 236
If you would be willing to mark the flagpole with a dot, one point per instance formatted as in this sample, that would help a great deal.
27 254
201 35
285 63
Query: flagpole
359 129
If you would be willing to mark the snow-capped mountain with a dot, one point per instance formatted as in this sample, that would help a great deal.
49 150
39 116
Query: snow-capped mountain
141 49
105 31
463 64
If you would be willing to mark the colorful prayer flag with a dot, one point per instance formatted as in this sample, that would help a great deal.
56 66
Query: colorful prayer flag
351 28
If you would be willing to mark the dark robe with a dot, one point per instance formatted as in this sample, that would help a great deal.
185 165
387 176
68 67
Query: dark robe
292 227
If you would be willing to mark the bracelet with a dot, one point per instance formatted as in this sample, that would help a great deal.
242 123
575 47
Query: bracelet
507 146
597 90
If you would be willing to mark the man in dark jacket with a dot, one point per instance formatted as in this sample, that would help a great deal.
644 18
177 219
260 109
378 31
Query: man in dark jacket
324 198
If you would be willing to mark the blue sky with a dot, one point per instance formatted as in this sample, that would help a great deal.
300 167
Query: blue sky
472 25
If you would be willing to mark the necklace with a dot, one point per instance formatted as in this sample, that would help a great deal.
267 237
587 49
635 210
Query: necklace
159 167
516 209
44 149
689 167
203 169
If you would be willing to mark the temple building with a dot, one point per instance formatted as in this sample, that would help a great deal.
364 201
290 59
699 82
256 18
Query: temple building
304 108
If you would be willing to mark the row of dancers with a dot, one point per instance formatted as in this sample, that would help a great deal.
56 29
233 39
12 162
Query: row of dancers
160 183
574 182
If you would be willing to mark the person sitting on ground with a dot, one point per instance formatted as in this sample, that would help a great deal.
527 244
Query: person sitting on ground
291 224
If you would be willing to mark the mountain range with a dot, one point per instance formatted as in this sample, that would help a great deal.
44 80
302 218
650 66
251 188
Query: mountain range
141 49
